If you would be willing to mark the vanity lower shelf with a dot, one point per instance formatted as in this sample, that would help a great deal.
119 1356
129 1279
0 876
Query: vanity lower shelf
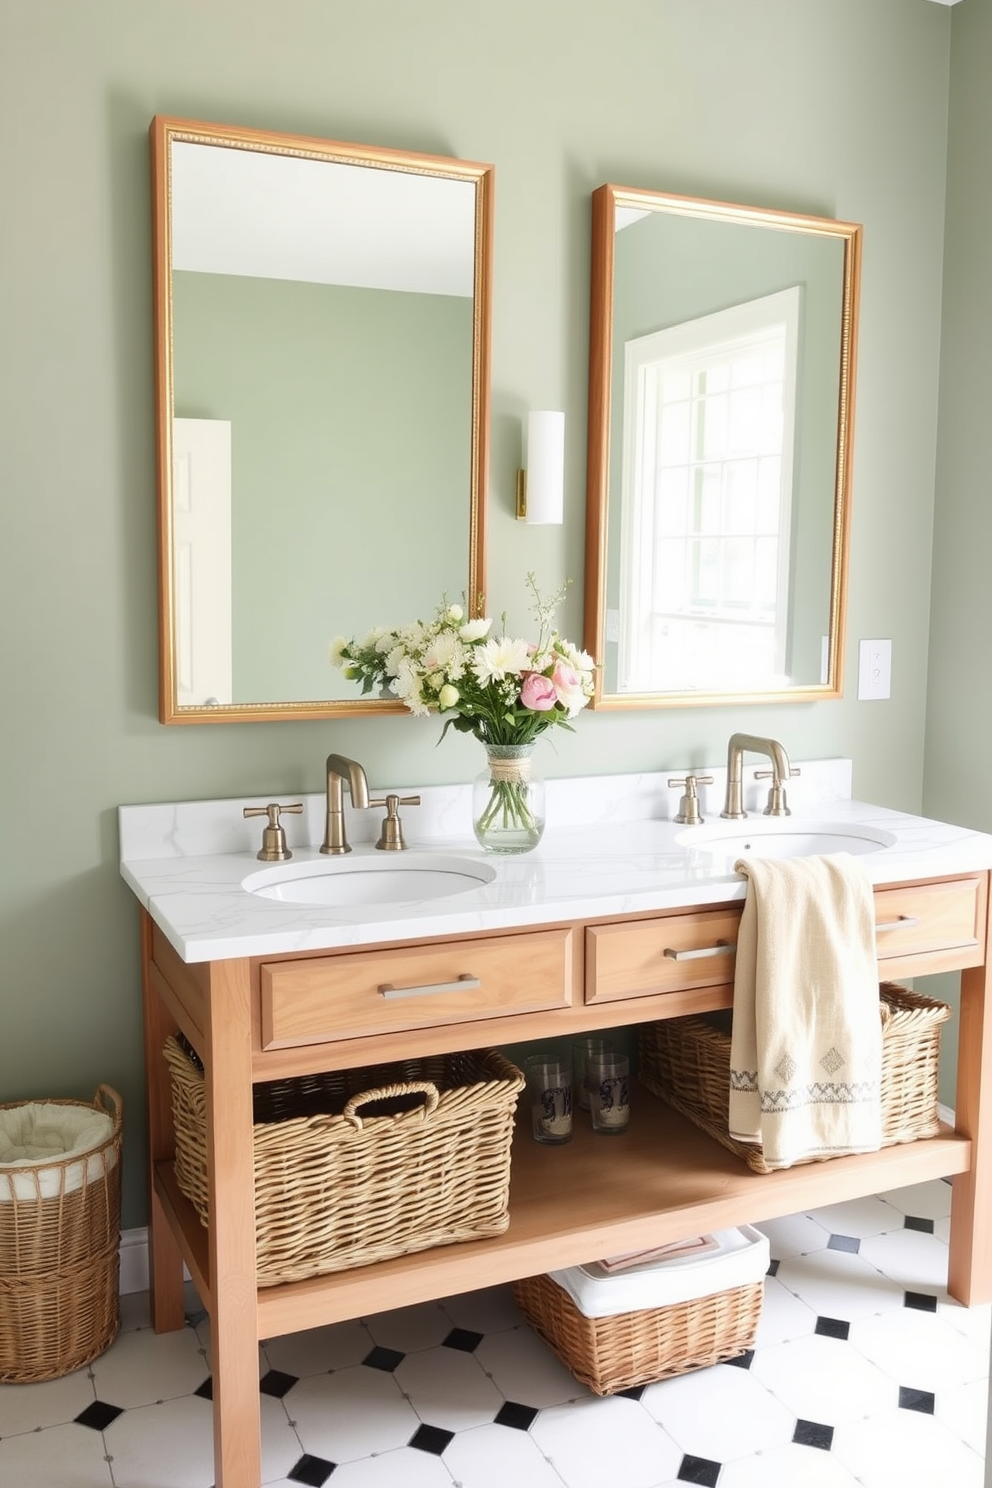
596 1196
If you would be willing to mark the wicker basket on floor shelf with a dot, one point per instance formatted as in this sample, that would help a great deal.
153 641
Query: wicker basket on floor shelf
370 1164
60 1255
686 1062
635 1348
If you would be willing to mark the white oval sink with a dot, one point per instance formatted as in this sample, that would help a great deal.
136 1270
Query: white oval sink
778 838
343 881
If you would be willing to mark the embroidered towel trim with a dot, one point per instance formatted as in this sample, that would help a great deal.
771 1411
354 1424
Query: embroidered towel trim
806 1046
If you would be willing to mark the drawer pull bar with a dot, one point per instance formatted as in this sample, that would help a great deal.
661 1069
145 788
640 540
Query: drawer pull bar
465 983
722 948
904 922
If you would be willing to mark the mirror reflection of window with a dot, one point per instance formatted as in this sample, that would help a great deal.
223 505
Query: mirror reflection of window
709 433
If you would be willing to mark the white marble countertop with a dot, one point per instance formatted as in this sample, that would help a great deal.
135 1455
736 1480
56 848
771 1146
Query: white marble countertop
186 862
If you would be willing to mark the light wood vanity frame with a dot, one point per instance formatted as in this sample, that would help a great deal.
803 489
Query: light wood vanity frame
265 1018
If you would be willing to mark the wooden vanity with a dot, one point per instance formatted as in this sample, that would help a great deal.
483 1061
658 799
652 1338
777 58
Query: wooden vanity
262 1018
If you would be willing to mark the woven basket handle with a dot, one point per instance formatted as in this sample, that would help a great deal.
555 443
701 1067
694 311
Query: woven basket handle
414 1087
107 1097
885 1013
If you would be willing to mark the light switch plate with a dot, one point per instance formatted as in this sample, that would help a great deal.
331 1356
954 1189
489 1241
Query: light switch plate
874 670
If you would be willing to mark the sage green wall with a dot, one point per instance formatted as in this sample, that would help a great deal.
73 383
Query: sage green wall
835 107
322 485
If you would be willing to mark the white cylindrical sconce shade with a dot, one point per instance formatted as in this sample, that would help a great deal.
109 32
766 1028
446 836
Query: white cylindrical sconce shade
544 463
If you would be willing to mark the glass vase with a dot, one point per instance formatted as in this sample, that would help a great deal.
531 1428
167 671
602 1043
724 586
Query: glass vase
508 800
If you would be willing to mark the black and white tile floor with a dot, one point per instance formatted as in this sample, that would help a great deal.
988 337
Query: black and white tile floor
863 1373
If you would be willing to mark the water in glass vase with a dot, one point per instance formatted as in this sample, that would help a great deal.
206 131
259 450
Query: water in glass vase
508 800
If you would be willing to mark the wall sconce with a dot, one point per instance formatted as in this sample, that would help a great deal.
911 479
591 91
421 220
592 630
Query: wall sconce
541 484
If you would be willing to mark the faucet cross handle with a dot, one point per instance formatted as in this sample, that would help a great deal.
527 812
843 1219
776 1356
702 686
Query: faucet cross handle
273 849
391 836
688 814
777 804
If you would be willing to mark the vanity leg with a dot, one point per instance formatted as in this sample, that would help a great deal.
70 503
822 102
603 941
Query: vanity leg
165 1262
231 1179
969 1276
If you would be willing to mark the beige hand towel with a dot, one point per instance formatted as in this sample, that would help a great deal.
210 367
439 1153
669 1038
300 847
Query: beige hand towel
806 1047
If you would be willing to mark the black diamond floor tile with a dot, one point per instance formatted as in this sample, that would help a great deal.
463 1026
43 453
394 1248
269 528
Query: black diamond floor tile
516 1415
431 1439
829 1327
813 1434
916 1400
276 1383
844 1242
311 1471
773 1268
385 1359
916 1222
699 1470
99 1415
920 1302
634 1393
461 1338
742 1361
206 1390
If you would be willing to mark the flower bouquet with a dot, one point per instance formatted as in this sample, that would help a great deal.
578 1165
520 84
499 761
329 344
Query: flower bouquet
506 692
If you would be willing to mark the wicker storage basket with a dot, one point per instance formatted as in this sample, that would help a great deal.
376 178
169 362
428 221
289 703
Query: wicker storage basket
59 1254
686 1061
635 1348
362 1165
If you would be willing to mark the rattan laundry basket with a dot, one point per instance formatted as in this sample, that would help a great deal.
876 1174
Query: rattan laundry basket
686 1061
635 1348
59 1254
360 1166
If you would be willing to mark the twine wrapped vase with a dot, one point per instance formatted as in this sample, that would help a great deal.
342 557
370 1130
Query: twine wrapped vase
508 813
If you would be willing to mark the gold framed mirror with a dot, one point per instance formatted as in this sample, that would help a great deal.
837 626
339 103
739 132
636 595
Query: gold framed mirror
322 325
721 403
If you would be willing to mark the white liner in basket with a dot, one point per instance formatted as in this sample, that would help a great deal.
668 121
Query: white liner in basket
38 1138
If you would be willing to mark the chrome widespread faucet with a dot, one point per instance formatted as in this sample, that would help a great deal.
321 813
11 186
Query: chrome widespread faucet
780 772
339 770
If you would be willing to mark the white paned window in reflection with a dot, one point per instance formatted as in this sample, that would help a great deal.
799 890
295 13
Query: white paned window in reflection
709 429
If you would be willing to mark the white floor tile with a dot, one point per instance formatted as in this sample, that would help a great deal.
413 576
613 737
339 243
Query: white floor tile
919 1350
28 1407
410 1328
837 1284
793 1235
449 1388
965 1413
484 1311
524 1369
719 1413
164 1446
406 1468
319 1350
792 1466
144 1367
974 1322
350 1414
910 1258
859 1217
925 1200
495 1456
135 1311
783 1315
66 1456
908 1449
595 1441
824 1380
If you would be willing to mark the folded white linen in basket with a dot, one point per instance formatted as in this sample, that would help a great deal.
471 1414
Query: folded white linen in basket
741 1257
37 1139
806 1046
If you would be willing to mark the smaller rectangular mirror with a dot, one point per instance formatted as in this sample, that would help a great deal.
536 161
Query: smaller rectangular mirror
721 398
322 315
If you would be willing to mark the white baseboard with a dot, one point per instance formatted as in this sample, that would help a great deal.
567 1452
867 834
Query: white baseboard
134 1243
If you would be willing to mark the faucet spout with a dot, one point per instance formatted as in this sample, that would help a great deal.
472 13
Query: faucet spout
339 770
781 770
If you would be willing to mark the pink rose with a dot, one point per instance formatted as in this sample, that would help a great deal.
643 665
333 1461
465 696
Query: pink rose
538 693
568 687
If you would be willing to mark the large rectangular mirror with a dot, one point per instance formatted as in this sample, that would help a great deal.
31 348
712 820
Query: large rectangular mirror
322 320
721 396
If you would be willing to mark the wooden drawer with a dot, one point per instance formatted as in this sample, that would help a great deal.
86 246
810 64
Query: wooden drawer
942 924
369 992
670 954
